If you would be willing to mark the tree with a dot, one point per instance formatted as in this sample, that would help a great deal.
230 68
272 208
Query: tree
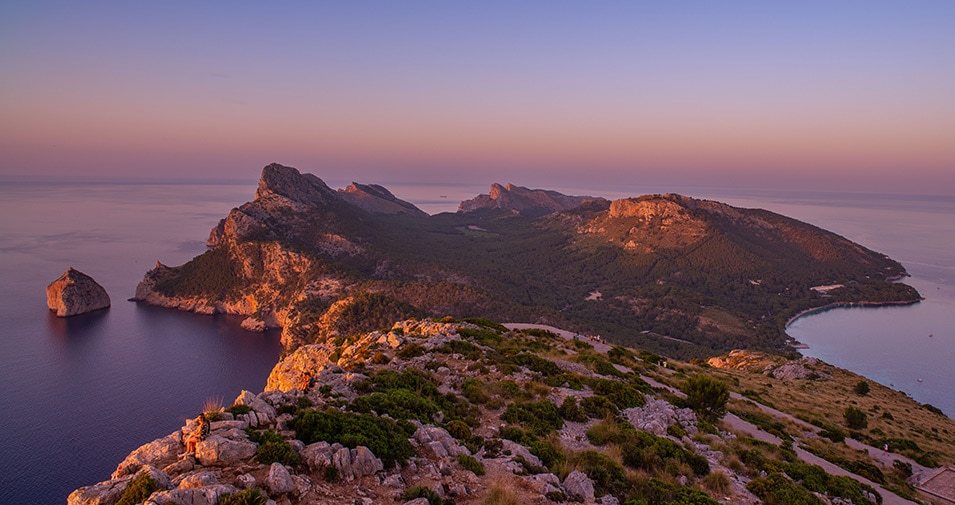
862 388
855 418
707 397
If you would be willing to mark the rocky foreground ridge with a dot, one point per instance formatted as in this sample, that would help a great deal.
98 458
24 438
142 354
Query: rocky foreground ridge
442 412
677 275
75 293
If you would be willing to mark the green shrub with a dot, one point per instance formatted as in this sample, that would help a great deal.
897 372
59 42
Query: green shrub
855 418
536 364
775 489
571 411
486 323
468 462
473 390
251 496
386 438
138 490
273 448
238 410
409 351
398 403
623 395
548 452
607 474
459 429
861 388
481 335
834 434
706 396
540 417
427 493
598 407
462 347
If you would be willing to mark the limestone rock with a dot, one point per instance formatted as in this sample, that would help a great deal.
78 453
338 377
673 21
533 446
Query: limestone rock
578 485
216 450
159 453
349 464
75 293
292 372
279 480
103 493
438 441
657 415
206 495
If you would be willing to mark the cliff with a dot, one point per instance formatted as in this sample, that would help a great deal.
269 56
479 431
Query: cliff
521 200
75 293
474 413
678 275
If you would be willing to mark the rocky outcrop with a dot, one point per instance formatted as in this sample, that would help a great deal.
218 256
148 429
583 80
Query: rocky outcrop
378 200
579 487
521 200
657 415
75 293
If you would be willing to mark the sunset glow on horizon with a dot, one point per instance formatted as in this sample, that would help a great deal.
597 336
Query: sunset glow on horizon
841 94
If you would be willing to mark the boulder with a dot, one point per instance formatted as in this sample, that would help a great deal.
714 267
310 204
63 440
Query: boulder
255 403
216 450
199 479
207 495
438 441
245 481
577 485
103 493
108 492
657 415
349 464
279 480
75 293
159 453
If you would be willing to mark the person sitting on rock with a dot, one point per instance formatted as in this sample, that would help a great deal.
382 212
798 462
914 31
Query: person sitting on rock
200 433
307 382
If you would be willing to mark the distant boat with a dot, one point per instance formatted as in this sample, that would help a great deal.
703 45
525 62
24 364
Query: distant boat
920 380
444 196
930 335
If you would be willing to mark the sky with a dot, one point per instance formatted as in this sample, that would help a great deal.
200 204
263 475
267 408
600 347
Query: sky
836 95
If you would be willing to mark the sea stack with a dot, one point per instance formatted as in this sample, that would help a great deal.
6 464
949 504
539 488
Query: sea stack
75 293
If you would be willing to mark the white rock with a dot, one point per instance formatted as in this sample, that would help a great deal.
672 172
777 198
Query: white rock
279 480
216 450
578 485
158 453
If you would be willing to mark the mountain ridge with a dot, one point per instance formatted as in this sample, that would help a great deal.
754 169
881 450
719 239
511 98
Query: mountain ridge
670 268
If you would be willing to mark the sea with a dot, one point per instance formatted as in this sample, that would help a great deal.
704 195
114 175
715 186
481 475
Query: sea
78 394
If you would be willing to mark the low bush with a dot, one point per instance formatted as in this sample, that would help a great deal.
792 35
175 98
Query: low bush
250 496
540 417
471 464
547 451
138 490
621 394
855 418
861 388
273 448
571 411
775 489
386 438
486 323
706 396
415 492
598 407
537 364
398 403
473 390
459 429
411 350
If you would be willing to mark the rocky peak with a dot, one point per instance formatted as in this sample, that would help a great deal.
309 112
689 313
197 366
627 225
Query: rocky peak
377 199
289 183
650 206
75 293
521 200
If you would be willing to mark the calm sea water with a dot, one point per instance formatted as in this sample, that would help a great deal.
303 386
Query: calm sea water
76 395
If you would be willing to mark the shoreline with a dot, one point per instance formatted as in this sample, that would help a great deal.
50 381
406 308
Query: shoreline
848 305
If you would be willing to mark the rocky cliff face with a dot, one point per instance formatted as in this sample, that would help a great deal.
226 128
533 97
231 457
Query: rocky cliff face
75 293
522 200
378 200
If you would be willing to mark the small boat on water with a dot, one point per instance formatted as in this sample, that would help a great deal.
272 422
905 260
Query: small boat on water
920 380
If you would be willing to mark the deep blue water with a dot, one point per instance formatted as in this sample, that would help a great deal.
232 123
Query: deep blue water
76 395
